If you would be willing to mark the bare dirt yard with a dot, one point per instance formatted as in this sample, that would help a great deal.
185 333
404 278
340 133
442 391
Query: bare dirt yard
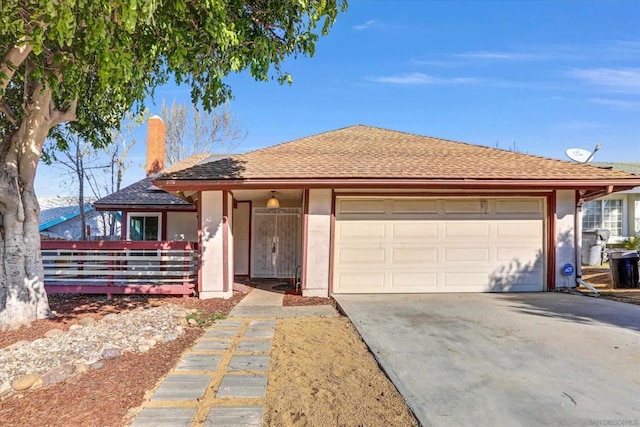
322 374
321 371
600 278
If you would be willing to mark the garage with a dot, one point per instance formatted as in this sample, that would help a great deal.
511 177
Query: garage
438 244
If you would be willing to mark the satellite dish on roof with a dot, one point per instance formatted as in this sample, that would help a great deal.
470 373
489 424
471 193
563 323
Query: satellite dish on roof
580 155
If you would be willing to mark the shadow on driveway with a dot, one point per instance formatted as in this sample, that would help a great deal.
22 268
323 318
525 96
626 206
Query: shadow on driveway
584 309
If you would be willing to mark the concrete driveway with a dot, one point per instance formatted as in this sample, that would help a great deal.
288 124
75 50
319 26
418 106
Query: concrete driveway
506 359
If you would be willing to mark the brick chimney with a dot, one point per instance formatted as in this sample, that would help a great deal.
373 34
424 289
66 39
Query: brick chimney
156 140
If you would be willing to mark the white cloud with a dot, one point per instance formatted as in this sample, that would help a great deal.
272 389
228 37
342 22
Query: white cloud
621 80
443 64
617 104
422 79
505 56
366 25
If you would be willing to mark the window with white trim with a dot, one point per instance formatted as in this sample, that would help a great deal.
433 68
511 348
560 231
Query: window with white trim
605 214
144 226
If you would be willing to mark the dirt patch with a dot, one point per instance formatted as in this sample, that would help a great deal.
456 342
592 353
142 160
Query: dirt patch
596 276
321 373
600 278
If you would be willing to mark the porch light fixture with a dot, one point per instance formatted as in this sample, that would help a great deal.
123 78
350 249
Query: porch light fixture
273 203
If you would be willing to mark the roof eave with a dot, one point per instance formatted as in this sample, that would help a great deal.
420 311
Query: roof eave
285 183
143 207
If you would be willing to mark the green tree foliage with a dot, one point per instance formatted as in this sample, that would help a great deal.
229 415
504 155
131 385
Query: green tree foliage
108 55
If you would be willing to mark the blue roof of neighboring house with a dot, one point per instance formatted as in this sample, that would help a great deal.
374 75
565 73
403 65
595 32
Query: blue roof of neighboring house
59 214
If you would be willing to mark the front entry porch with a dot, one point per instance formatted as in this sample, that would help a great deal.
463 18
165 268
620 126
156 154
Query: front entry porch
241 236
267 240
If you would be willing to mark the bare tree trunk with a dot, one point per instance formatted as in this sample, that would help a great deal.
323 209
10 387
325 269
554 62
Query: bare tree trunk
22 295
81 174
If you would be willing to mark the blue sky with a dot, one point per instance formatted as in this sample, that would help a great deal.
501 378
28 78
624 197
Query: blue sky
543 75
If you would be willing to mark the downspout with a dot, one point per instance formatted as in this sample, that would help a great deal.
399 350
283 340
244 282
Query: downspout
578 245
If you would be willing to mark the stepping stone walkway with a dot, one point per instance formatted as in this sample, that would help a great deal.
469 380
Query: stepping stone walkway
221 381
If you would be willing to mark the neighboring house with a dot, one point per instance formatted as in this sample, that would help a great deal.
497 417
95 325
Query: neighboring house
148 212
60 219
620 212
369 210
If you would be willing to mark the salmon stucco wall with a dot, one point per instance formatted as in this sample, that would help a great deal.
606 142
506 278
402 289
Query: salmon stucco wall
565 250
318 243
212 274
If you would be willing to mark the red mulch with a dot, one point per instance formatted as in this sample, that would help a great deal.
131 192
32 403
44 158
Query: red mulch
296 299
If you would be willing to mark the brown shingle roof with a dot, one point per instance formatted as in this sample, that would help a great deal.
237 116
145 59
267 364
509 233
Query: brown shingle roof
370 152
186 163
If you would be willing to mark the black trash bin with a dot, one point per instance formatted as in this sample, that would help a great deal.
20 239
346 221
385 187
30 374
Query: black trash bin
624 269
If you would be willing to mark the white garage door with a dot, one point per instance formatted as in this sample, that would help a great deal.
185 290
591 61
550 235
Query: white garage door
405 245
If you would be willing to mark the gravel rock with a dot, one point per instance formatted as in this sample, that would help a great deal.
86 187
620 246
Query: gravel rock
5 388
87 321
53 332
16 344
81 368
111 353
85 345
25 381
68 368
57 374
97 365
75 327
111 317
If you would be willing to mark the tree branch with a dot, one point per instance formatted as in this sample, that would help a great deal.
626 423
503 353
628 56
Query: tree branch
9 113
12 60
268 27
68 115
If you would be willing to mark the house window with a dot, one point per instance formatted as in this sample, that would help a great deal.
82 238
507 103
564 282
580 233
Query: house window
605 214
144 227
